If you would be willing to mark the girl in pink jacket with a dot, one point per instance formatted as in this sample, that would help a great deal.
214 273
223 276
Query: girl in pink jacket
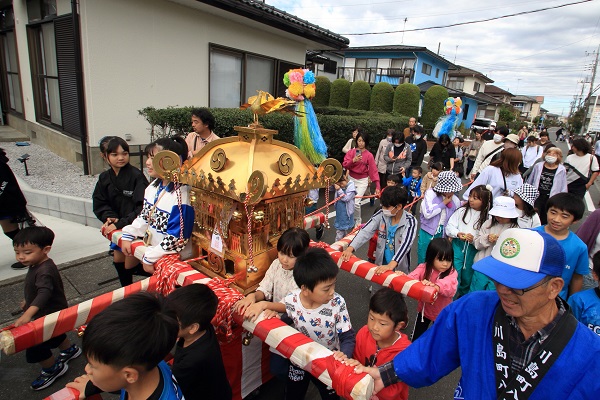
436 271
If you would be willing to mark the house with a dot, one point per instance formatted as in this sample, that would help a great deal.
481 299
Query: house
73 72
473 83
498 93
394 64
528 107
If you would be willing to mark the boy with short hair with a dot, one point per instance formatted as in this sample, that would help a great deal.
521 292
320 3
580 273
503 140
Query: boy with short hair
392 180
413 184
198 364
126 345
44 294
397 230
320 313
563 210
381 340
586 305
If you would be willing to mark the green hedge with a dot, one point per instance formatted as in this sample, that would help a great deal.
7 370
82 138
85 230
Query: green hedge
336 129
360 95
433 106
382 98
340 93
406 100
323 91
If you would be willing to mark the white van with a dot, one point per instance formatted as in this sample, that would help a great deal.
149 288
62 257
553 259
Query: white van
481 124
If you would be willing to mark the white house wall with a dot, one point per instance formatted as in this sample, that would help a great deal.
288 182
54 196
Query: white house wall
139 53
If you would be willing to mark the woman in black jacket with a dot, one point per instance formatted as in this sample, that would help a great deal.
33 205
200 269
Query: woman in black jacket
443 152
118 199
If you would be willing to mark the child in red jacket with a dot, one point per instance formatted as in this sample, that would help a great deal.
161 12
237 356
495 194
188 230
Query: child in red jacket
381 340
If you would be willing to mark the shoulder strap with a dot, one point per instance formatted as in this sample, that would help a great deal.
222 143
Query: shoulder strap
523 384
491 153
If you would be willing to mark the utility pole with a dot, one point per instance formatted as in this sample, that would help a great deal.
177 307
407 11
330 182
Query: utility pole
403 29
589 96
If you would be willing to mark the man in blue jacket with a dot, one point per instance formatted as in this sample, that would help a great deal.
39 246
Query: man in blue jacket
520 342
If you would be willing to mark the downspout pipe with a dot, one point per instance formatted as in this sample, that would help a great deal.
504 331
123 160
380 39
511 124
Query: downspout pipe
79 69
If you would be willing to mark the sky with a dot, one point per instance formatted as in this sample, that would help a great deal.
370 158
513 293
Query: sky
548 53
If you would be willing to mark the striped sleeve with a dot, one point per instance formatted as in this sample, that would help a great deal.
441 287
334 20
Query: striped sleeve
409 237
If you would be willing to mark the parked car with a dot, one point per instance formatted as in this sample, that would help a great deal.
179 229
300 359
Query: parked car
481 124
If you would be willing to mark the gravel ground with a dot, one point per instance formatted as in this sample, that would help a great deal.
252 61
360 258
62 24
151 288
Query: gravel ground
49 172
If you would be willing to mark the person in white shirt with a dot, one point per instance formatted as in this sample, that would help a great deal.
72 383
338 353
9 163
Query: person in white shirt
502 175
531 153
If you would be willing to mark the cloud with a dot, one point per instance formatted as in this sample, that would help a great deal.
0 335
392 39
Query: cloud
540 54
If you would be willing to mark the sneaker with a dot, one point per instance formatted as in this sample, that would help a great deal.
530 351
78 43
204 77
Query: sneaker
320 231
18 266
47 378
67 355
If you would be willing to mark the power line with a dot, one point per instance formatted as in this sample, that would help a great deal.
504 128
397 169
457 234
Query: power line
468 22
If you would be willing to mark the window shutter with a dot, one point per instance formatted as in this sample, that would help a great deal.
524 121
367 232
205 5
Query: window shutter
71 99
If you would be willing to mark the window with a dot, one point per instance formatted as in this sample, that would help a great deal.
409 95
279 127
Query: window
456 82
38 10
476 87
426 69
366 69
235 76
445 78
9 64
45 73
465 112
437 72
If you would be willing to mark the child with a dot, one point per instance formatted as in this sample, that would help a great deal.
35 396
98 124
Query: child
525 197
198 364
439 203
392 180
396 229
320 313
118 199
125 346
381 340
277 283
44 294
437 271
311 206
563 210
344 207
413 184
462 228
586 305
162 216
504 216
430 178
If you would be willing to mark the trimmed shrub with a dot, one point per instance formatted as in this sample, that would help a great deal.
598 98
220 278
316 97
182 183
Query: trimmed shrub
360 95
382 98
433 106
340 93
323 91
406 100
336 129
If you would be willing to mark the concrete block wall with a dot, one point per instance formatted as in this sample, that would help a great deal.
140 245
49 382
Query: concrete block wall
61 206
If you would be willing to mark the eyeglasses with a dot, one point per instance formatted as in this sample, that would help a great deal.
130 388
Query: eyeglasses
521 292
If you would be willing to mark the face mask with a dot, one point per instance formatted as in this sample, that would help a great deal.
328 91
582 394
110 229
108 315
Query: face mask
389 138
498 138
550 159
397 144
520 212
417 137
388 213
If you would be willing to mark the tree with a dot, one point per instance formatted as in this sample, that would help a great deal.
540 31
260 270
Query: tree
433 106
382 97
506 114
576 120
406 100
323 91
360 95
340 93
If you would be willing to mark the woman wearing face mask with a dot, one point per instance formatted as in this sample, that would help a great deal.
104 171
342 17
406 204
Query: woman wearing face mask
397 155
549 177
472 151
488 151
380 161
443 152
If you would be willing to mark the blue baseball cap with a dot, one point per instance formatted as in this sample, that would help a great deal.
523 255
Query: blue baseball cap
523 257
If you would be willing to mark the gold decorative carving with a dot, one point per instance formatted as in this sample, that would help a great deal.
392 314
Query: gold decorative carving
285 164
218 160
165 163
257 186
216 262
332 169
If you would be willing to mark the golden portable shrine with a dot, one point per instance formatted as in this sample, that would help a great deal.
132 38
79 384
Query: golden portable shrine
246 191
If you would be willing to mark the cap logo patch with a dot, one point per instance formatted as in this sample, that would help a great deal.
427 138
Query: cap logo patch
510 248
